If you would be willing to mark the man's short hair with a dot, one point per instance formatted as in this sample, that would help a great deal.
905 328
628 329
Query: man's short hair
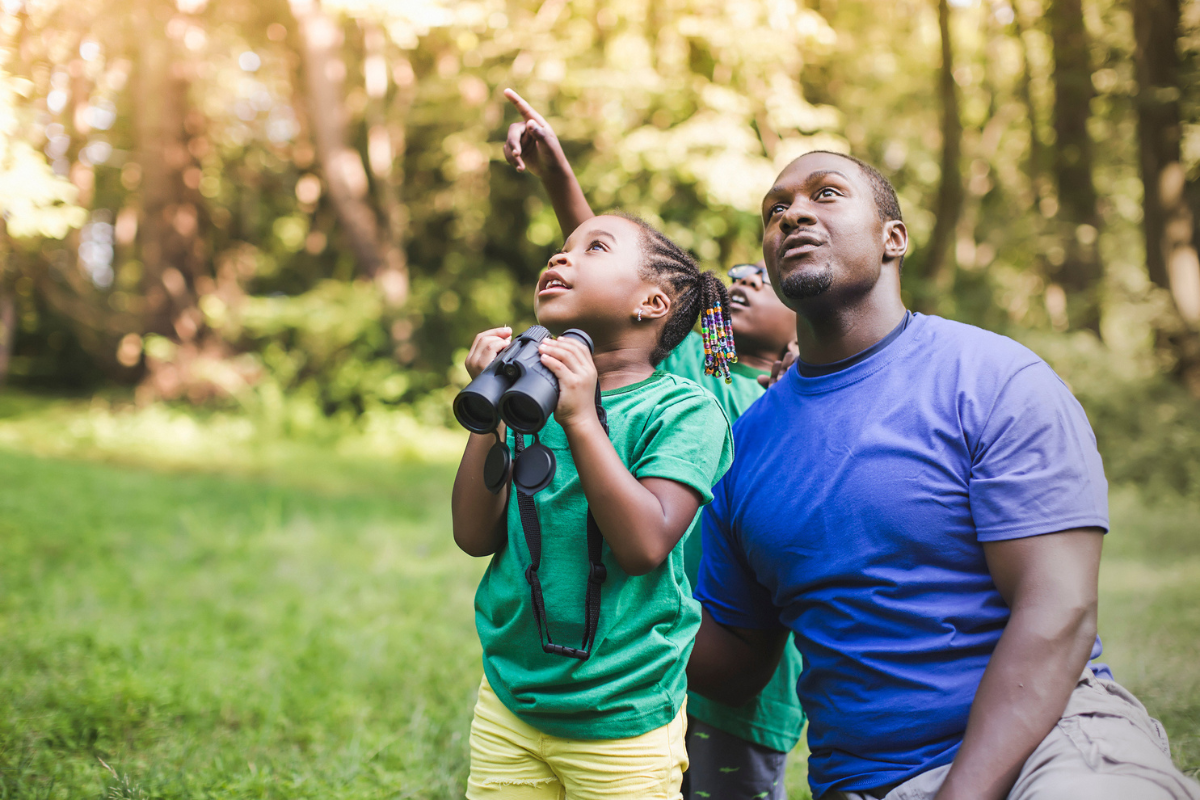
886 201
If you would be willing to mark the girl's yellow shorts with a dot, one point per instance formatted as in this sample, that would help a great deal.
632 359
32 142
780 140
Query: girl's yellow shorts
514 761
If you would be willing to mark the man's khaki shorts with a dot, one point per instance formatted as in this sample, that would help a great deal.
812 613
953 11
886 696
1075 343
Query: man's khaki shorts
1105 747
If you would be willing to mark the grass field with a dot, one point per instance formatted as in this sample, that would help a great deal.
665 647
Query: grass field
301 627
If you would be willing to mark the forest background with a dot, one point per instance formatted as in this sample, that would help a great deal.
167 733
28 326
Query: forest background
256 238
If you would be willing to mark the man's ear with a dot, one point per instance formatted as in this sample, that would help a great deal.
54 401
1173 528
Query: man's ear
895 240
655 305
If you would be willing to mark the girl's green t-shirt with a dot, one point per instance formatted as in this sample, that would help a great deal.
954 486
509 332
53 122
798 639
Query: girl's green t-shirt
774 718
634 682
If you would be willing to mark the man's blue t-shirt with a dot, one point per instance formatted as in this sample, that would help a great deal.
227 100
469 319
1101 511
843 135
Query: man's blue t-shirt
854 515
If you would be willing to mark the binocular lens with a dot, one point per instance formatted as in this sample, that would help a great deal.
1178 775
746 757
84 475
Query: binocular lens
475 413
522 412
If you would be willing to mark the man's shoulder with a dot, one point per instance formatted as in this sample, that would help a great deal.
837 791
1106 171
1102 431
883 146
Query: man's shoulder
961 358
963 336
973 349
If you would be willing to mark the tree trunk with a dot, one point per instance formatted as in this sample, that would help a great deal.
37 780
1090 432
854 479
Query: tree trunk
385 154
342 165
168 225
1034 166
8 306
950 192
1167 220
1078 220
8 331
168 235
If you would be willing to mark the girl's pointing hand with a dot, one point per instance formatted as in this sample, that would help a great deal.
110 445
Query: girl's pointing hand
531 144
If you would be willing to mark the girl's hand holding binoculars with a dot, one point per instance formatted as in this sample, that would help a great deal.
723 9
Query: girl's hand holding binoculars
485 348
571 362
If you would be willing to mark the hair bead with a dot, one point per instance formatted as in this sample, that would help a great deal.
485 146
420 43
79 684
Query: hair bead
717 331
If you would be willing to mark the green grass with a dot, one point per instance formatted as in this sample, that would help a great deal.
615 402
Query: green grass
1150 612
227 637
297 623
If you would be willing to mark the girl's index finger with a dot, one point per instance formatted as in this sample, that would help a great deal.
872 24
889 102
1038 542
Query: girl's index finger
570 353
503 332
572 346
526 110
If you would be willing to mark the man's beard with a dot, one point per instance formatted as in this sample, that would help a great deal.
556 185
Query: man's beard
803 285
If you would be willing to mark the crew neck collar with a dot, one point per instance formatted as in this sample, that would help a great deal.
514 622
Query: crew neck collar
654 376
864 364
817 370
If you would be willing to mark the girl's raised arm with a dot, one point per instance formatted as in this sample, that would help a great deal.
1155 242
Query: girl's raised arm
532 145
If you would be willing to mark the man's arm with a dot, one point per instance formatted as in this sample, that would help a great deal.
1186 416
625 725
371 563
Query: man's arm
1049 583
532 145
732 665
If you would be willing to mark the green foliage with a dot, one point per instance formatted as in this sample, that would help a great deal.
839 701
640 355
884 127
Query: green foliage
328 345
1147 427
36 202
680 111
33 200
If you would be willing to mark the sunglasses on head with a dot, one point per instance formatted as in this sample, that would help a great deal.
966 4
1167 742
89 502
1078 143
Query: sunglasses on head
740 271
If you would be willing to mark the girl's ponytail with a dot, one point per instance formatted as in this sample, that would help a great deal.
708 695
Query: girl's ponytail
715 327
696 295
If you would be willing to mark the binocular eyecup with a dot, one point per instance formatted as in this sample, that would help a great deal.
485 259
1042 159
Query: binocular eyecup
516 387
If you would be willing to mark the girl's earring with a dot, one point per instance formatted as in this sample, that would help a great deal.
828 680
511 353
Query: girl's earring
639 315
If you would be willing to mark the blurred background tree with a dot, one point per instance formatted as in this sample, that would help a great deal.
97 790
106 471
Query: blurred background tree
300 207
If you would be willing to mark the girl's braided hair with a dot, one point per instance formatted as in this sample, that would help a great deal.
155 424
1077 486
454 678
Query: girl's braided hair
695 294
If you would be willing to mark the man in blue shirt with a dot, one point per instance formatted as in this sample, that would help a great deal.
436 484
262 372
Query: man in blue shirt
921 502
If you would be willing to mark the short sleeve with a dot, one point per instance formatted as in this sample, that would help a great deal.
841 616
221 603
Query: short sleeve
687 441
1035 468
726 586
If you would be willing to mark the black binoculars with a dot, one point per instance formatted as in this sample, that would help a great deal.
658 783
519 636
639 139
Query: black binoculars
516 387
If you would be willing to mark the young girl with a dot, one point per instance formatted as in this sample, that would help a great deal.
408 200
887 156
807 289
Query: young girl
736 753
609 726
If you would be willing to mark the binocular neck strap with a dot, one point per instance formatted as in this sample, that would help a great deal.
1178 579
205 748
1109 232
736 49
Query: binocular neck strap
597 573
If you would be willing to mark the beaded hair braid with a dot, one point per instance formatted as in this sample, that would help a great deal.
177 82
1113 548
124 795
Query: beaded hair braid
695 294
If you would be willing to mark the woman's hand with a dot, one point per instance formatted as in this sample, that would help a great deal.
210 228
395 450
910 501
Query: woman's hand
532 144
571 362
485 348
